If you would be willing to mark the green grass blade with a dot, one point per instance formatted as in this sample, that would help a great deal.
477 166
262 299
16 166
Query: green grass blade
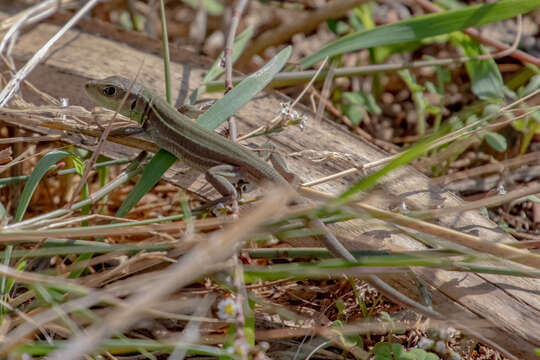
243 92
408 156
93 248
151 174
211 119
40 170
423 27
125 346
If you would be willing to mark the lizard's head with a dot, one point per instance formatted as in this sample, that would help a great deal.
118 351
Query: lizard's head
118 94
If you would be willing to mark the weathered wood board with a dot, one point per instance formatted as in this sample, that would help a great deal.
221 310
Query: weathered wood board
511 305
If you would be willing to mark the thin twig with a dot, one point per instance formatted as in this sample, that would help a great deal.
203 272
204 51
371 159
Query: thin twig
276 119
533 157
90 163
325 92
486 202
165 52
227 54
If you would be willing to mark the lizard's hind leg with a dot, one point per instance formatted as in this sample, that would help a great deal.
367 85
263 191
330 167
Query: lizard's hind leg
218 176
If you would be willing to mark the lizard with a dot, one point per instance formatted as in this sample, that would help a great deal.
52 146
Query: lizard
211 153
201 149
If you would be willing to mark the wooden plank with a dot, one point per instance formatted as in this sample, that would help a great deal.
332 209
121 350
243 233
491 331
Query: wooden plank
511 305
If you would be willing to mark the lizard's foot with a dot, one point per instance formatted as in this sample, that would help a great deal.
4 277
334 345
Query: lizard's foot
219 204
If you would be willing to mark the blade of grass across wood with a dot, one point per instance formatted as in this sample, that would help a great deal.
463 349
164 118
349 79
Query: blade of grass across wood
325 268
211 119
217 69
424 26
408 156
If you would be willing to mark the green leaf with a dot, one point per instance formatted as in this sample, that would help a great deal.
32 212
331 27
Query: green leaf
353 112
40 170
486 80
243 92
359 101
496 141
533 85
424 26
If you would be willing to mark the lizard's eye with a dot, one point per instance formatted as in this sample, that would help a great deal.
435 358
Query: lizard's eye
109 91
133 104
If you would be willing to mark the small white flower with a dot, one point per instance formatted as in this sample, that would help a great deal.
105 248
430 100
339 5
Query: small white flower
241 347
227 309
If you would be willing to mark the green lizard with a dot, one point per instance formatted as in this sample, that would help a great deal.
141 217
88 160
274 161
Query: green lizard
209 152
202 149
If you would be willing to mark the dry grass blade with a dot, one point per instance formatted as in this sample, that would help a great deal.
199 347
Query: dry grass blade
491 201
504 251
193 265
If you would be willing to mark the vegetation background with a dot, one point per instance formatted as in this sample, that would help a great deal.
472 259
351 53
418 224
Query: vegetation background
451 88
